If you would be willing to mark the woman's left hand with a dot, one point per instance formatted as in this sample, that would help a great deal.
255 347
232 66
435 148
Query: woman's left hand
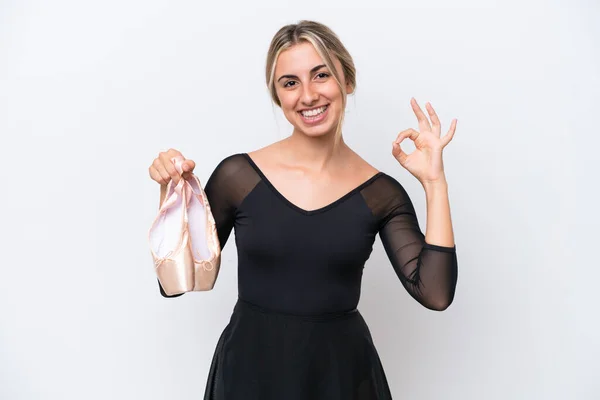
425 162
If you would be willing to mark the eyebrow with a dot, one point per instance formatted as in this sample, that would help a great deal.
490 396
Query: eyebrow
312 71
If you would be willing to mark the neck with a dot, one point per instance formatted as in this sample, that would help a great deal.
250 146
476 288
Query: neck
316 153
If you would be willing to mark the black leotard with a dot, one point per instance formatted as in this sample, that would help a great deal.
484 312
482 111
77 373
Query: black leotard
311 262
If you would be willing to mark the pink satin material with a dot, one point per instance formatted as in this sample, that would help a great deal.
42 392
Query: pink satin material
181 270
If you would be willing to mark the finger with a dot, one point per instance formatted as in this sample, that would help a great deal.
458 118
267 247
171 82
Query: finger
188 169
408 133
436 125
448 136
170 155
156 176
421 117
162 172
188 166
174 153
398 153
167 164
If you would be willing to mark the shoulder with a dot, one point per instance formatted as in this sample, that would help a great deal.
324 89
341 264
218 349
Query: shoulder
389 185
388 188
232 168
232 164
386 196
233 160
232 179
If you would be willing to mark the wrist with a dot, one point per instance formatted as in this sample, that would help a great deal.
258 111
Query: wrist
435 185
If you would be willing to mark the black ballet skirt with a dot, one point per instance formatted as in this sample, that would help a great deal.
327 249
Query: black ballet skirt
295 332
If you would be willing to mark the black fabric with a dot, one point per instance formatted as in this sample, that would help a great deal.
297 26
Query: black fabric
262 355
309 264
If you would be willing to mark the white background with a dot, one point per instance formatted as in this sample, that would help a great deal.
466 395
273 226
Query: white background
90 92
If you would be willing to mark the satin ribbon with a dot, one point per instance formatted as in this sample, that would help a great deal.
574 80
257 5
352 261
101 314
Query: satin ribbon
159 261
183 189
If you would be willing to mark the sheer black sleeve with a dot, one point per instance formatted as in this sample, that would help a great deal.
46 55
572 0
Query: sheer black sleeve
225 189
428 272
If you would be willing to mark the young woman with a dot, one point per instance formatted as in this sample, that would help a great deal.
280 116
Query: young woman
306 211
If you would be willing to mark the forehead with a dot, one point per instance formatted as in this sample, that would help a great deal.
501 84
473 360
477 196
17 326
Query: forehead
297 58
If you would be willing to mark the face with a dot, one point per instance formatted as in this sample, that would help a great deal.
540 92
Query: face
310 97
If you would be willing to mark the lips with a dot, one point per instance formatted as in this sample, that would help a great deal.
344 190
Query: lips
314 115
311 112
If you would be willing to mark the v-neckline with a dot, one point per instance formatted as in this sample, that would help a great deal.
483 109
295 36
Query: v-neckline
300 209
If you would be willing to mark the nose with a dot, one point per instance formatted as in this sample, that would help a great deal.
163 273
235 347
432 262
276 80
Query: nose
309 95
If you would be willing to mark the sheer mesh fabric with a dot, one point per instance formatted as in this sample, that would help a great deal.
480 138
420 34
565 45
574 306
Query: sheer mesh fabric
232 180
428 272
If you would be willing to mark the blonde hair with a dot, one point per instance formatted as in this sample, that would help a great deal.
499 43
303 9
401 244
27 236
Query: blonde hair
326 43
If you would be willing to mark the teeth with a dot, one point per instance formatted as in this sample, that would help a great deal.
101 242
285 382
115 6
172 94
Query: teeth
315 112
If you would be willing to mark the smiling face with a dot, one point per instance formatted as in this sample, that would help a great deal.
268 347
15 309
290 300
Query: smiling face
310 97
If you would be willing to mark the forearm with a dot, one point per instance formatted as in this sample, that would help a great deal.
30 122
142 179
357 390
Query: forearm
439 223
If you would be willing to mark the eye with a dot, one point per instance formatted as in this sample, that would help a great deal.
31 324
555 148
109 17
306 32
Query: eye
322 75
287 84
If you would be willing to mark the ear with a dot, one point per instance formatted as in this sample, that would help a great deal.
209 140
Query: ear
349 89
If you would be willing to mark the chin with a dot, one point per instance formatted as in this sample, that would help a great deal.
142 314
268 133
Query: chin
315 131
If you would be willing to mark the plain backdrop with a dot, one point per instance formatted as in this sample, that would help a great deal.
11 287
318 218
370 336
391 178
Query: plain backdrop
91 91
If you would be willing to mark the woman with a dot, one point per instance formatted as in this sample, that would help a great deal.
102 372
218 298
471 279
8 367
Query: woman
306 211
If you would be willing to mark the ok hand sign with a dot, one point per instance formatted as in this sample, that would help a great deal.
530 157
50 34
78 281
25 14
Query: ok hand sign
425 162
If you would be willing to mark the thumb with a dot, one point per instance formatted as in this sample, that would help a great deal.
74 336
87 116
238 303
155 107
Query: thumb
188 166
398 153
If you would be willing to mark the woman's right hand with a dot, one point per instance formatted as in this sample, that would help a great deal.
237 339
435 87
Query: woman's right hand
163 170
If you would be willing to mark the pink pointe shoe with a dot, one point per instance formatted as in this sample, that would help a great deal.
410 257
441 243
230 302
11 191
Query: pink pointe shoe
183 238
204 241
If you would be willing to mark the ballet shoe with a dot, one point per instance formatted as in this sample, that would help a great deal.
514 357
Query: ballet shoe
169 241
183 238
204 241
